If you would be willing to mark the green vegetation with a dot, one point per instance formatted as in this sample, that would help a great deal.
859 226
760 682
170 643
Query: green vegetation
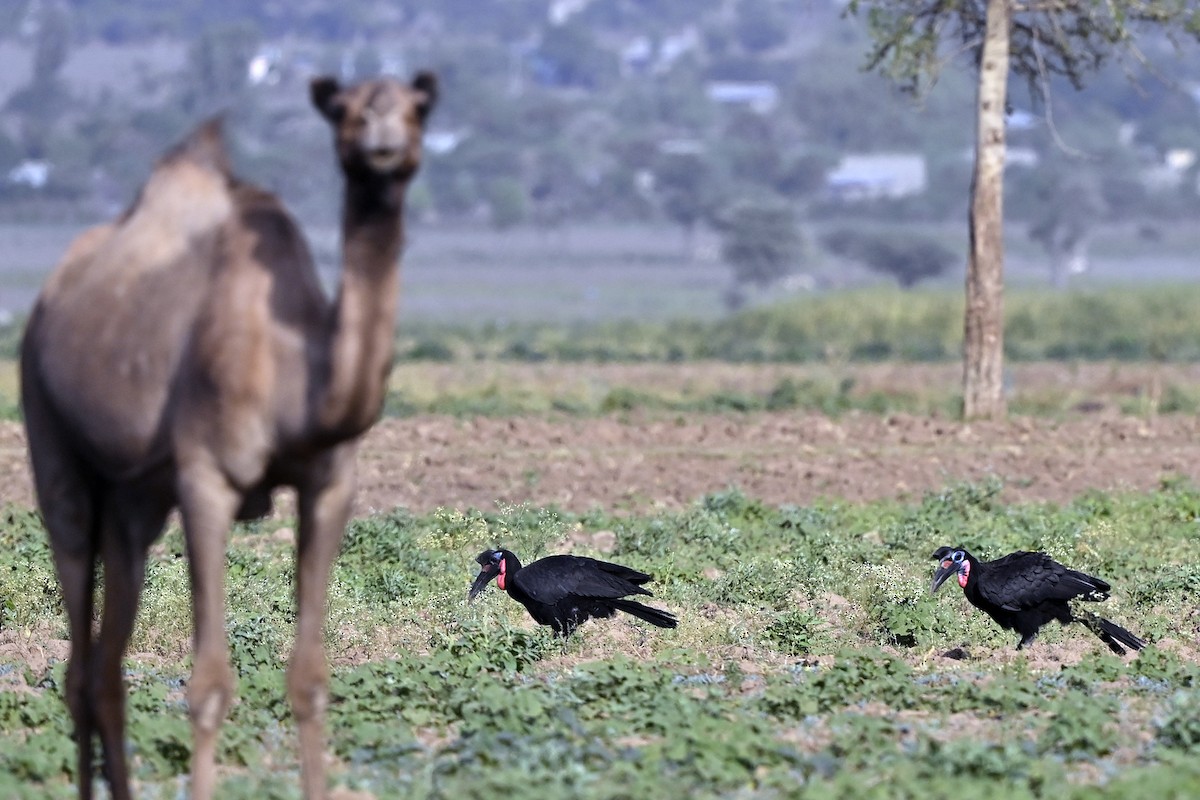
1128 323
1153 324
808 658
823 345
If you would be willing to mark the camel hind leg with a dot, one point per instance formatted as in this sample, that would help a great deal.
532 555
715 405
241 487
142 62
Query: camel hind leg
74 561
67 496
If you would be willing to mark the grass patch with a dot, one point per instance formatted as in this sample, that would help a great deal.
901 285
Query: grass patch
807 656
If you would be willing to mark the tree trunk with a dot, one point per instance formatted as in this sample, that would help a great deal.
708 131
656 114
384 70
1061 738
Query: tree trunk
983 334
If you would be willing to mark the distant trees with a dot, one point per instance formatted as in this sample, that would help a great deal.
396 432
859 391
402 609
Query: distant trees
599 111
684 182
907 257
44 99
762 243
1069 204
759 25
52 41
570 56
507 202
217 63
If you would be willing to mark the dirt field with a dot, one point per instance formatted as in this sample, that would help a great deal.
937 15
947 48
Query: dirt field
643 461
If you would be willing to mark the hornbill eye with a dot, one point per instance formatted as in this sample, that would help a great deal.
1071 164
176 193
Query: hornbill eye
958 556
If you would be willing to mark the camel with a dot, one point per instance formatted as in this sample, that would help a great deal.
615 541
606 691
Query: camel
186 356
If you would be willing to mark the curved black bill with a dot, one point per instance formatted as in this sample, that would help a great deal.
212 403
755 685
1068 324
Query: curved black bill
944 571
484 577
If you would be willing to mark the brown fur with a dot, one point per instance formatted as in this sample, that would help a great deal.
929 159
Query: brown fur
185 356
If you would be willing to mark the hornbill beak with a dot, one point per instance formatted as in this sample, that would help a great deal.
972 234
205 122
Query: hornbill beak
484 577
945 569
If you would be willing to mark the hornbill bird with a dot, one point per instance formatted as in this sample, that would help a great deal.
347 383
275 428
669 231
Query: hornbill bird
1023 591
563 591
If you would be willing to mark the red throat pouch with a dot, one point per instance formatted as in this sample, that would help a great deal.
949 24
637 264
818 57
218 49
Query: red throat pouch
963 573
502 578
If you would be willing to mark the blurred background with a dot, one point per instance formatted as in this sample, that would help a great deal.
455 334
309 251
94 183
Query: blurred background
601 160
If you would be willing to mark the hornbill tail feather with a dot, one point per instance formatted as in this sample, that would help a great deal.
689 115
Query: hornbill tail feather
1111 633
654 616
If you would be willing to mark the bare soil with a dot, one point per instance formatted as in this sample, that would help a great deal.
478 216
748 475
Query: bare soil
639 462
655 461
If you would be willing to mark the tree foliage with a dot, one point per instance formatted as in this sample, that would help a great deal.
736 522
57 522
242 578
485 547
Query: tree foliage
570 56
1031 39
761 241
217 63
507 202
52 42
686 187
759 25
913 39
1068 205
909 258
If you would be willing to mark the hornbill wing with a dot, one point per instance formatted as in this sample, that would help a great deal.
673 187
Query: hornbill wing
624 573
554 578
1022 580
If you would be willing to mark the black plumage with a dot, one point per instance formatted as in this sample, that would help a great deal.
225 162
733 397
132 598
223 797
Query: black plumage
1023 591
563 591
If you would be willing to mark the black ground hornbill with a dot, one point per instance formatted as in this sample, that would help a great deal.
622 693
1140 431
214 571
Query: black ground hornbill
1023 591
563 591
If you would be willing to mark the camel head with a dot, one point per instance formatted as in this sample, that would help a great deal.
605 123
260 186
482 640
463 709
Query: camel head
378 123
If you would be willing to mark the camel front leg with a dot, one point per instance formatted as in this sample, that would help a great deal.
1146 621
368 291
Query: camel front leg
324 508
208 504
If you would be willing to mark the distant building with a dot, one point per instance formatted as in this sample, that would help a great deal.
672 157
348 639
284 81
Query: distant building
1180 159
676 45
760 96
1169 173
1013 156
31 172
265 68
681 147
1019 157
641 55
441 142
877 176
638 55
562 10
1019 120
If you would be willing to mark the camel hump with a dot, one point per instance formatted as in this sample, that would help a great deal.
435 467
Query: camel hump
204 147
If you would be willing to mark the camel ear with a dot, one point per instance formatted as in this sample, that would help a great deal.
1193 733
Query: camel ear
323 90
426 83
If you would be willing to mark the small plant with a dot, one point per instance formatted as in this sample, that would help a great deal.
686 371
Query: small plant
794 632
1081 726
1179 724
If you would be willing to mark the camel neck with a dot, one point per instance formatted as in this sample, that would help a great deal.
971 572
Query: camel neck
365 309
